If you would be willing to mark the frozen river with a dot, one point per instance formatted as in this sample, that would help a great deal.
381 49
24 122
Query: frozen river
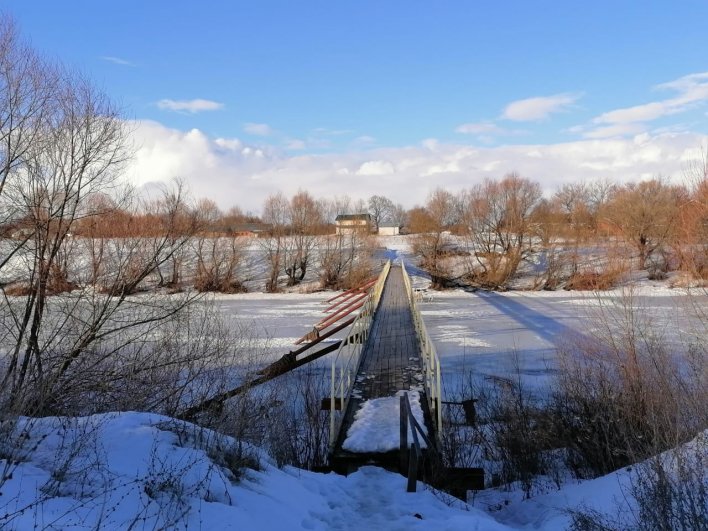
487 334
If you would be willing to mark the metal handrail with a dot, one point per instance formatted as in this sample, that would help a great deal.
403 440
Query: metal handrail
431 361
345 363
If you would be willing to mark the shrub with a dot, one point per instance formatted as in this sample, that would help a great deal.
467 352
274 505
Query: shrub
625 393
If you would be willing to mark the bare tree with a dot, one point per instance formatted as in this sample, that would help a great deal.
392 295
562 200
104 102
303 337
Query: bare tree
381 209
28 94
646 214
432 224
344 260
574 203
275 214
28 86
691 242
399 215
498 223
305 222
218 255
83 151
63 148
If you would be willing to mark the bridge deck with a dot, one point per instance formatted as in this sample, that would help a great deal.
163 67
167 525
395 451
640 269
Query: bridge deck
390 360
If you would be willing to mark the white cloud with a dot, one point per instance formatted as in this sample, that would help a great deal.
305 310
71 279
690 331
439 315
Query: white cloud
116 60
190 106
692 90
638 113
430 144
230 144
614 130
232 172
532 109
258 129
376 167
326 131
479 128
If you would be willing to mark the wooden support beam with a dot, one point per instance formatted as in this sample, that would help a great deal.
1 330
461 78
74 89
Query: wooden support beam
341 301
412 469
317 335
346 310
294 353
352 292
352 289
327 403
403 445
274 370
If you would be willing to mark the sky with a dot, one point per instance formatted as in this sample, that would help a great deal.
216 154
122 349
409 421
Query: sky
243 99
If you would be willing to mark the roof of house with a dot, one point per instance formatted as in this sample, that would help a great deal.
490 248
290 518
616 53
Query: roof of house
353 217
389 224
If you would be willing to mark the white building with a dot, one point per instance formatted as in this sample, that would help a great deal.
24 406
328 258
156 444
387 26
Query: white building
389 229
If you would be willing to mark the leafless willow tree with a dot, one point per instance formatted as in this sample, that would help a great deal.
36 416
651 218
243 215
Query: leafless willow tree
64 146
498 225
646 214
432 224
691 244
219 256
294 228
305 222
382 209
344 260
275 211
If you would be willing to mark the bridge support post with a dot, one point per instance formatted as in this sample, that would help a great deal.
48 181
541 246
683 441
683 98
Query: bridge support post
412 469
403 446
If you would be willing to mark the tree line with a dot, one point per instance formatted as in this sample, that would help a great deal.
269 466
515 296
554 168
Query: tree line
503 222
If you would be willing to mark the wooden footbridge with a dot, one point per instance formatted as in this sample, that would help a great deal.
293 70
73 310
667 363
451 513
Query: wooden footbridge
386 354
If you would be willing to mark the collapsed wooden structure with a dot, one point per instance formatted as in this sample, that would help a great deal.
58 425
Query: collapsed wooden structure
340 310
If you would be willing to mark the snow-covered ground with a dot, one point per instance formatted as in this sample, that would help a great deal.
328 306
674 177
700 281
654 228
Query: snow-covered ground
142 471
145 471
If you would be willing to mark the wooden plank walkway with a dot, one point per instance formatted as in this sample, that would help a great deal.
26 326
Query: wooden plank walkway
390 360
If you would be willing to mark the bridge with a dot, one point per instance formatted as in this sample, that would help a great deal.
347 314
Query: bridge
385 402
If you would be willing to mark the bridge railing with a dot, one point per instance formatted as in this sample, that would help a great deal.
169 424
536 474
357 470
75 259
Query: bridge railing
431 362
345 363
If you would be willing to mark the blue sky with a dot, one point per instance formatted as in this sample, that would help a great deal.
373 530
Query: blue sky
350 82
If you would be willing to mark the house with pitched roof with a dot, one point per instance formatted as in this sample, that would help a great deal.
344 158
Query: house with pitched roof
349 223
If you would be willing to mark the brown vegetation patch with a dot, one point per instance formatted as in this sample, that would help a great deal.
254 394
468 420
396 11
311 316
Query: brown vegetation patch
593 280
